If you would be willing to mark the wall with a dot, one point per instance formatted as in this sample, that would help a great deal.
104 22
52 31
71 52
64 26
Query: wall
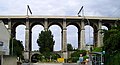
4 37
9 60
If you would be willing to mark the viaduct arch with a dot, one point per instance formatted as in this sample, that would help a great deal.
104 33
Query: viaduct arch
63 22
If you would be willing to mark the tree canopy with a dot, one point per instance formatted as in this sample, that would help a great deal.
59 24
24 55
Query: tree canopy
45 41
17 47
112 39
112 46
69 47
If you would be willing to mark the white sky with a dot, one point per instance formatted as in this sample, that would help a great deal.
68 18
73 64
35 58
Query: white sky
110 8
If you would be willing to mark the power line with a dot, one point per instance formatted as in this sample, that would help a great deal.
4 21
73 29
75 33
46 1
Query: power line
115 11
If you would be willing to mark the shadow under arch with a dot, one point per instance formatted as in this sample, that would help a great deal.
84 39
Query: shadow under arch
13 27
55 23
35 57
34 24
76 24
107 25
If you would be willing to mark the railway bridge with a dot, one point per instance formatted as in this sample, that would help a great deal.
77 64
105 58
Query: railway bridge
63 22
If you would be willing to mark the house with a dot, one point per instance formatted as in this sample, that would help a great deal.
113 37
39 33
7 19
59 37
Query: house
4 42
4 38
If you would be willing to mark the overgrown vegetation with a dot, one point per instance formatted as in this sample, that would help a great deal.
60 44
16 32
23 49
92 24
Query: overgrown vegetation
16 48
97 49
75 56
112 46
45 57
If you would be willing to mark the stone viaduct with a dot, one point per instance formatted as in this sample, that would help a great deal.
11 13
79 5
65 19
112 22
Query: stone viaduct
63 22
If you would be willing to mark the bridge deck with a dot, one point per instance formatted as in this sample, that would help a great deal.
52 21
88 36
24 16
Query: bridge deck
63 17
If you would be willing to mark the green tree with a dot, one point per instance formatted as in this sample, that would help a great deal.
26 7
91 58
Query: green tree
112 46
45 41
69 47
16 48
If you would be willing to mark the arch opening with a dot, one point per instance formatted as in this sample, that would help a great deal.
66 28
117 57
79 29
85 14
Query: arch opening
20 33
89 35
56 31
35 58
36 30
72 36
104 27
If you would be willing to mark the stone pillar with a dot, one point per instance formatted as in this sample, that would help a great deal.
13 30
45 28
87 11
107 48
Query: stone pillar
9 26
27 41
11 30
79 44
82 38
64 40
95 38
46 24
99 35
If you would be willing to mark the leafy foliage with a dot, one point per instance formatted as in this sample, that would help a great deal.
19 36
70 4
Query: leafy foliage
97 49
112 46
17 47
69 47
52 55
75 56
45 41
78 52
45 57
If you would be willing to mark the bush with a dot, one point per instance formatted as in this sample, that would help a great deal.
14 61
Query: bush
112 59
78 52
46 57
53 55
74 59
75 56
97 49
85 57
